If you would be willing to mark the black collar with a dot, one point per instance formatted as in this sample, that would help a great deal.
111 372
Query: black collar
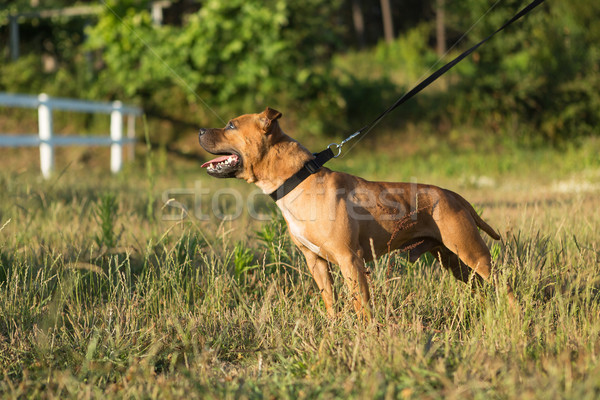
309 168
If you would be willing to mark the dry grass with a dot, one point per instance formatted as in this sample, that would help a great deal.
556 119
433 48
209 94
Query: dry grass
227 310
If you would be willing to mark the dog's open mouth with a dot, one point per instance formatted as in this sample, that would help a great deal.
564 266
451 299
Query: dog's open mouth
224 166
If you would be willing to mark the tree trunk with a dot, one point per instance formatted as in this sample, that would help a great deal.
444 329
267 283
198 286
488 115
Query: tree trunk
388 25
359 23
440 28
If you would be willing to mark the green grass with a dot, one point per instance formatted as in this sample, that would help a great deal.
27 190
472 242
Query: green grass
101 297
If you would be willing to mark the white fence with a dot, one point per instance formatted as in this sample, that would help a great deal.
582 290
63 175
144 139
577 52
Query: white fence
46 140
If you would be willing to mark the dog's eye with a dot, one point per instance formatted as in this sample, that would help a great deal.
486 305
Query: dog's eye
230 126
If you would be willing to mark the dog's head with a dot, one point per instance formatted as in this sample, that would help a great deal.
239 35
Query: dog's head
241 144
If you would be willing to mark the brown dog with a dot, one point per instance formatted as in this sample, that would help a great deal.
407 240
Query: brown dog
334 217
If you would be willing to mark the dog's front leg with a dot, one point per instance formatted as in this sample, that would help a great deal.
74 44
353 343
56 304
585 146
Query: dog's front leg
319 269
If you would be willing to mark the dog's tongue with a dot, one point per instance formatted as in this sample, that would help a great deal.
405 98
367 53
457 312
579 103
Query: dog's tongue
215 161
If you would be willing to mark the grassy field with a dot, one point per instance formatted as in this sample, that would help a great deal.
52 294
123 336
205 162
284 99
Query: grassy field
103 293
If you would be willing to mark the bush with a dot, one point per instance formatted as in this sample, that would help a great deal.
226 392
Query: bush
239 55
539 78
544 70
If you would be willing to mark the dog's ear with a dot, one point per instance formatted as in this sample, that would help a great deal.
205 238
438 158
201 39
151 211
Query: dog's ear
267 118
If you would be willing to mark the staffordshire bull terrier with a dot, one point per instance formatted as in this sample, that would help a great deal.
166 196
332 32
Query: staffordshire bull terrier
338 218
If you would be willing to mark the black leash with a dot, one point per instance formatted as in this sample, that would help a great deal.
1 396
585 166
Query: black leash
321 158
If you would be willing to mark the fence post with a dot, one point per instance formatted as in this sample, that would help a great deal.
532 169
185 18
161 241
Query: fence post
14 36
45 129
116 135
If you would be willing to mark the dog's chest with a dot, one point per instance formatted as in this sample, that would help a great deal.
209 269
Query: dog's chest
297 230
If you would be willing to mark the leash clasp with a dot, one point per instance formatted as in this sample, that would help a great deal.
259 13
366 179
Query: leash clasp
338 148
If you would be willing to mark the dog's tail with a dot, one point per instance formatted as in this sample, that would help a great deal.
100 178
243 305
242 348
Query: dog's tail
478 220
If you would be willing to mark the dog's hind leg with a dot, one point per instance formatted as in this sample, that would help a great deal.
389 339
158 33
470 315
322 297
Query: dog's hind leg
469 248
463 273
451 262
355 275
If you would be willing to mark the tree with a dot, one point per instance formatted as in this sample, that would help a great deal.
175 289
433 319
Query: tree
359 23
241 54
440 28
388 23
543 69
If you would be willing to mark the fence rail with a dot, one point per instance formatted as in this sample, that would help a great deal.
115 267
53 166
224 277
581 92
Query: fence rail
46 140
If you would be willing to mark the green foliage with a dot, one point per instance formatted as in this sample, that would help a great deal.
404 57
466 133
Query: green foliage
239 54
243 258
188 247
409 53
106 213
544 69
274 240
132 49
150 173
14 6
21 75
538 79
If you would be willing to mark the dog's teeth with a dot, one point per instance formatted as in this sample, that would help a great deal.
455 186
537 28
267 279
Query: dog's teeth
222 164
